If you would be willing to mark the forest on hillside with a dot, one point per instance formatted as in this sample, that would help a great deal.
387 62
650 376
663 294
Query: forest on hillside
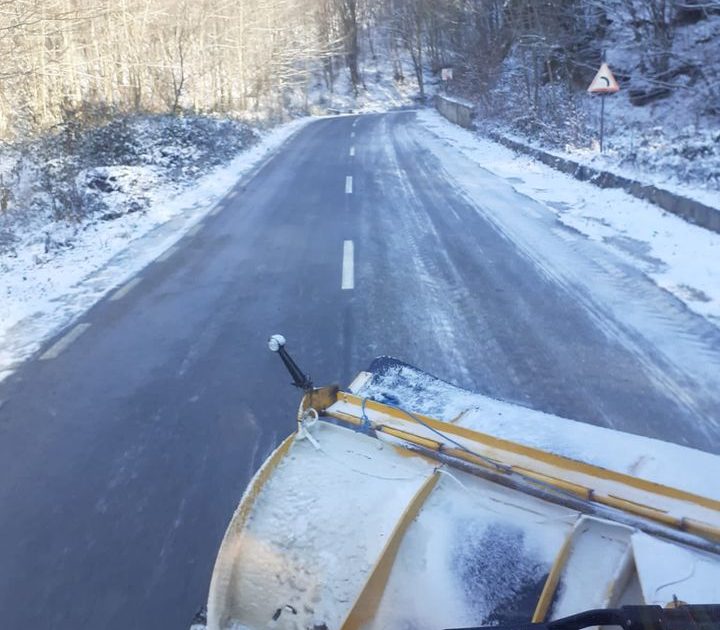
176 87
65 60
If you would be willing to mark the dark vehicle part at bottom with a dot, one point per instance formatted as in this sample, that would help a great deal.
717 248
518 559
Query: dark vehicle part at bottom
695 617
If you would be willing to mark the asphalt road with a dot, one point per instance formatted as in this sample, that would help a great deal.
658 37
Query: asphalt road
125 450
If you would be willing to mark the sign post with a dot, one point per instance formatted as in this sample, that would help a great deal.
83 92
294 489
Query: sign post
602 120
603 84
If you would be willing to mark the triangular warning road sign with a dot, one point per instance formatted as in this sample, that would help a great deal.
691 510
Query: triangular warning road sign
604 82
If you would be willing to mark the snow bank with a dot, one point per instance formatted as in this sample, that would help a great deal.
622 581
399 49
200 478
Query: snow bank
64 268
380 90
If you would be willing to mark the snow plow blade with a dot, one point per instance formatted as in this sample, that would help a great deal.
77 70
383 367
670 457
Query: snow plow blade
407 502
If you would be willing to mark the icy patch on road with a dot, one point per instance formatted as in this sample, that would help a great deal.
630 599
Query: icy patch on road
680 257
45 288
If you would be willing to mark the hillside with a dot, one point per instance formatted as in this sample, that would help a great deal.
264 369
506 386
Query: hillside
663 125
122 100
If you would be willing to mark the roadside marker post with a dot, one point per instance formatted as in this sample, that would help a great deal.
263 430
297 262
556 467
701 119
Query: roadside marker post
603 84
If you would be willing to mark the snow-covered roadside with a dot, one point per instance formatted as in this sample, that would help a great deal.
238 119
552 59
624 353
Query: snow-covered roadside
676 255
610 161
41 295
380 91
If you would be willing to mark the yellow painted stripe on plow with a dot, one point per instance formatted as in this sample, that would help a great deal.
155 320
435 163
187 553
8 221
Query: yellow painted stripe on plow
534 453
367 602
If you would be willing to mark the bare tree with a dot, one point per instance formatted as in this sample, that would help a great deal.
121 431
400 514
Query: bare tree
348 11
160 55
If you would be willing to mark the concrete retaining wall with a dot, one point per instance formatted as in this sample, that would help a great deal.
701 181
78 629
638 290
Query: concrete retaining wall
456 110
462 113
689 209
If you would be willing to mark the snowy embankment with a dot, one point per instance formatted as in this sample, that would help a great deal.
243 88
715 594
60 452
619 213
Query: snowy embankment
679 257
56 270
662 128
611 162
379 92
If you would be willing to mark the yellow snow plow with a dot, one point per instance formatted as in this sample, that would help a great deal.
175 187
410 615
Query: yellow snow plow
405 502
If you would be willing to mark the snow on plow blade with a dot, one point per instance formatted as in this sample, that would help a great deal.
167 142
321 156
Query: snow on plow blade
406 502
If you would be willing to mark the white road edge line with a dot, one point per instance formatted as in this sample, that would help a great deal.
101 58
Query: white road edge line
64 342
352 151
348 267
215 210
348 185
167 253
194 230
125 289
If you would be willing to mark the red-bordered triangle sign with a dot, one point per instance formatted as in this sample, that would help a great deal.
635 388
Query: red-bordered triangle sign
604 82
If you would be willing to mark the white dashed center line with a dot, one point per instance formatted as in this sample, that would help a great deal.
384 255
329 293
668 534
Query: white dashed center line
124 290
348 185
348 267
352 151
352 134
64 342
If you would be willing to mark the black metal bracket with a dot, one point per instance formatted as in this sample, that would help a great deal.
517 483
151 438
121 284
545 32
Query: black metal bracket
276 343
